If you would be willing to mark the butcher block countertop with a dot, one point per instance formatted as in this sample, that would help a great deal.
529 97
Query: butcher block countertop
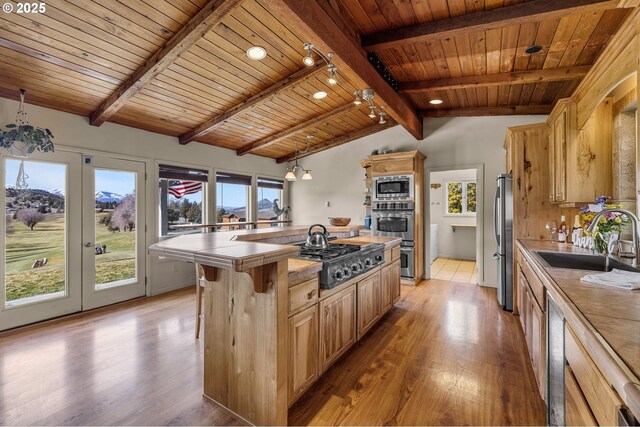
606 319
389 242
240 249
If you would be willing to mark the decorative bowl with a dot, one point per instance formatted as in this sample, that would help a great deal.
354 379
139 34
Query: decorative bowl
339 222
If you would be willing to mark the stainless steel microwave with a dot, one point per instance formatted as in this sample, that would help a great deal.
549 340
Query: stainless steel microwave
398 187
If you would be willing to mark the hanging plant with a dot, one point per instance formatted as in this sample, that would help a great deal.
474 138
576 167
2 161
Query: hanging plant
21 138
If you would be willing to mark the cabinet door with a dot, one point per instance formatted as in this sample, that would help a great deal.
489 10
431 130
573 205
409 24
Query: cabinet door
560 154
538 347
395 280
368 303
337 325
577 411
387 292
552 164
303 351
528 320
521 300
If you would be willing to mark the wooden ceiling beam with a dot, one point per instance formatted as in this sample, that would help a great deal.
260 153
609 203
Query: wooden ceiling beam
339 140
488 111
530 11
203 22
266 142
487 80
317 25
252 101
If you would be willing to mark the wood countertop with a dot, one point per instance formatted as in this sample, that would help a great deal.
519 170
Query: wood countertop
607 320
237 249
389 242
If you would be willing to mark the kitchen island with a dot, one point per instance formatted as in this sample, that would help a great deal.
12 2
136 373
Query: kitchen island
601 334
269 329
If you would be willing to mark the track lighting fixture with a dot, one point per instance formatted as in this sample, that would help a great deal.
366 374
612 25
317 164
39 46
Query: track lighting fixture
367 95
327 58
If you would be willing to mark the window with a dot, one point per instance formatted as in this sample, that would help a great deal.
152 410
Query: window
182 192
269 200
461 198
232 199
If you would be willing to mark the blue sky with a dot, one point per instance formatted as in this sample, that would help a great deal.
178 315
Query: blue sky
43 176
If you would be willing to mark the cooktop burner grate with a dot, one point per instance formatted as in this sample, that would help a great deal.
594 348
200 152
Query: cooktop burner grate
334 250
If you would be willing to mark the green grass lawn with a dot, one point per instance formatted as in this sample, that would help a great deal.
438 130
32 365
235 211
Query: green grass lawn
24 246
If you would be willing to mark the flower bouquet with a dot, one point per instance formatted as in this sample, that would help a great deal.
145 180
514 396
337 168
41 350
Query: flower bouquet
611 223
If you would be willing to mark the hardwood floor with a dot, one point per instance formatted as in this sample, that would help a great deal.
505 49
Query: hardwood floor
455 270
444 355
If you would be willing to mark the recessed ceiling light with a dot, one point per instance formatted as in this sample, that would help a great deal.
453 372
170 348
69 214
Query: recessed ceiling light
256 53
533 49
436 101
320 94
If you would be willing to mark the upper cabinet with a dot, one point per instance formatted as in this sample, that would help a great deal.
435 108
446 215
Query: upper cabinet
401 163
579 159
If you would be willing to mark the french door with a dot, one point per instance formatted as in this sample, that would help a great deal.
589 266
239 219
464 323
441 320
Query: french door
40 242
113 249
74 239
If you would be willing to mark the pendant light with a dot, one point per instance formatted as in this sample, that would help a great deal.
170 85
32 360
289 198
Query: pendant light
291 172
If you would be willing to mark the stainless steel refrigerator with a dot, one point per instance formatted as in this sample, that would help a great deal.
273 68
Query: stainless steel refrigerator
503 226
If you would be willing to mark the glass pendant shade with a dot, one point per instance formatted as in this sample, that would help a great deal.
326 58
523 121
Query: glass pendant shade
307 176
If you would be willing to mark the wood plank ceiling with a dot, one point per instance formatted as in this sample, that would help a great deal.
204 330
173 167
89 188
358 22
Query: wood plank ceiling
178 67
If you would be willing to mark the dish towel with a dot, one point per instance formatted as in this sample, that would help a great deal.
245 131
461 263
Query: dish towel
616 278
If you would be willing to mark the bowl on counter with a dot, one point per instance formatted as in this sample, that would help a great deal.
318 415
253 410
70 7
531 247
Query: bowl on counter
339 222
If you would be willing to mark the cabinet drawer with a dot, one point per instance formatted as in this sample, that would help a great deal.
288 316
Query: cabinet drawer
395 253
602 399
577 411
303 295
537 288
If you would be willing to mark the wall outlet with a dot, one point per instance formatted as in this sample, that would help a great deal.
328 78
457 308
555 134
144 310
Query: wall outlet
174 268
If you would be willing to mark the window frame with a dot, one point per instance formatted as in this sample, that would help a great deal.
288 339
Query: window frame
206 190
249 192
465 183
281 191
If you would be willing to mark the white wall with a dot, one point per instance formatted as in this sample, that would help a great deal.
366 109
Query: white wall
461 243
74 133
450 142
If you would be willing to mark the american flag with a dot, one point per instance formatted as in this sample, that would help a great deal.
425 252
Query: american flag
181 188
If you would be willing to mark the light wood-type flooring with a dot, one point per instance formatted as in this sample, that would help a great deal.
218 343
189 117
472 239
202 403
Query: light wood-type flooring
444 355
455 270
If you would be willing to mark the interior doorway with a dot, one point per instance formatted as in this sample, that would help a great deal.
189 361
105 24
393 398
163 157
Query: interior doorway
454 228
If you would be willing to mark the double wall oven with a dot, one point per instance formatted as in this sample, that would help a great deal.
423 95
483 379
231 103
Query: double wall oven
397 219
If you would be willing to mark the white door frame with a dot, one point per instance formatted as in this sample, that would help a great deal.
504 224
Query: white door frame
39 310
479 168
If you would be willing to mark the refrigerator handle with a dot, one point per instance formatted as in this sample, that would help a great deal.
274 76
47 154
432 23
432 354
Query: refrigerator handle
495 215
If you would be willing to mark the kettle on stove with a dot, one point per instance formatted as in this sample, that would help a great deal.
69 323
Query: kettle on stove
317 239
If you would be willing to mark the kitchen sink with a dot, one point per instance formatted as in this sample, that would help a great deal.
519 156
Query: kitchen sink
583 262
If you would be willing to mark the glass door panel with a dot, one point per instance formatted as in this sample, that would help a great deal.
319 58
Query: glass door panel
115 237
114 230
38 279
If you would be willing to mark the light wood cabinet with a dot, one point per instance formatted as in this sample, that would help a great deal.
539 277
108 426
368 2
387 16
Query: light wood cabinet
337 325
369 298
387 294
303 351
577 411
395 281
533 322
580 159
602 400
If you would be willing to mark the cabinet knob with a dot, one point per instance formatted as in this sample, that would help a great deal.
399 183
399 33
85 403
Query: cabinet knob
311 294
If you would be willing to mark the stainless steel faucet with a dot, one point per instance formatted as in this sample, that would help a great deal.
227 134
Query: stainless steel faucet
635 223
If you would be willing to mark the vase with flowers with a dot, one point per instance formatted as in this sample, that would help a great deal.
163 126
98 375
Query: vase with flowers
609 224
